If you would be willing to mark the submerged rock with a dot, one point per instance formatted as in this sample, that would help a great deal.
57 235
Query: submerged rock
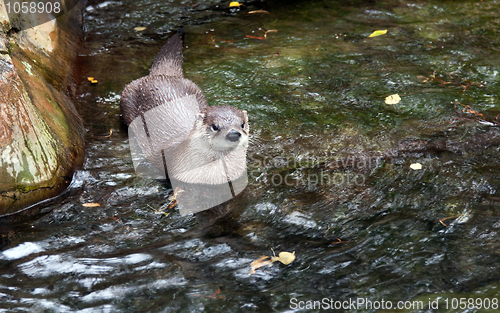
41 134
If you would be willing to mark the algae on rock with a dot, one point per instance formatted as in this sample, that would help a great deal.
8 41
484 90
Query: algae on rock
41 134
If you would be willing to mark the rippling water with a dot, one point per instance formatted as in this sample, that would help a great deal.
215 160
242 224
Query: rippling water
329 165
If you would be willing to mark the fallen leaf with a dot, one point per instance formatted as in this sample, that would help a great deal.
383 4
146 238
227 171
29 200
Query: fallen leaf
110 133
91 205
444 219
270 31
90 79
140 28
172 201
94 81
416 166
258 11
255 37
392 99
339 241
215 295
262 261
378 33
284 257
468 109
234 4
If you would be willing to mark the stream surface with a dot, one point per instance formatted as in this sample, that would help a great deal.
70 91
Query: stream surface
328 164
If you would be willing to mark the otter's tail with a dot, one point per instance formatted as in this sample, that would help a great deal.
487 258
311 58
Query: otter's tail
168 62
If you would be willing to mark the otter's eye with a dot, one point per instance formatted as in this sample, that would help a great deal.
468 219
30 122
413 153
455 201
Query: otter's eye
243 125
214 127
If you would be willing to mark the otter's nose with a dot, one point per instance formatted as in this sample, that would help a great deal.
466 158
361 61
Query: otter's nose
233 136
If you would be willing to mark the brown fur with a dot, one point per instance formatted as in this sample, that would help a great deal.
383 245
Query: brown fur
207 139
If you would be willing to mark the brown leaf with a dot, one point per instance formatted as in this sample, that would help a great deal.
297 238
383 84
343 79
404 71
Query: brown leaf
258 11
215 295
262 261
255 37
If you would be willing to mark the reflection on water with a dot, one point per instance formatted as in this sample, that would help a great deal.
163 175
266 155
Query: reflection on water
329 164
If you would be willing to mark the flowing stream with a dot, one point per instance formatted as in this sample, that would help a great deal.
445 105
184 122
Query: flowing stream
330 165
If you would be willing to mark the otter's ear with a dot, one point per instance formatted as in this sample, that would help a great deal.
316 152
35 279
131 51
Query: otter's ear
245 115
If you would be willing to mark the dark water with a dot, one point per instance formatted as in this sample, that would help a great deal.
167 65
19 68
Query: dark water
329 165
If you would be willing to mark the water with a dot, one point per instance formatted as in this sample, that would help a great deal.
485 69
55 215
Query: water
329 165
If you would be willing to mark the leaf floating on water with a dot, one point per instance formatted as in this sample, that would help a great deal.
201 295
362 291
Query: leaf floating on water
378 33
416 166
270 31
140 28
425 78
444 219
255 37
110 133
284 257
234 4
469 110
339 241
92 80
216 295
262 261
392 99
478 116
259 11
91 205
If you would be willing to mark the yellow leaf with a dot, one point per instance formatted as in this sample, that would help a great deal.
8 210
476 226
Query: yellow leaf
91 205
234 4
392 99
90 79
378 33
94 81
262 261
416 166
284 257
139 29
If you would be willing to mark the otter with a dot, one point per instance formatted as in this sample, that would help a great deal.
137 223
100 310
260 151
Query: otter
177 132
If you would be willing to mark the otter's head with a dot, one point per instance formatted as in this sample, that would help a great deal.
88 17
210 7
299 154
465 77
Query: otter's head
226 128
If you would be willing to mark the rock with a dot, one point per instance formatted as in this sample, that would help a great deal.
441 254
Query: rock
41 134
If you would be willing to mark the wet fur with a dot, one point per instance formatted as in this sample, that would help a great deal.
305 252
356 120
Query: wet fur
195 146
